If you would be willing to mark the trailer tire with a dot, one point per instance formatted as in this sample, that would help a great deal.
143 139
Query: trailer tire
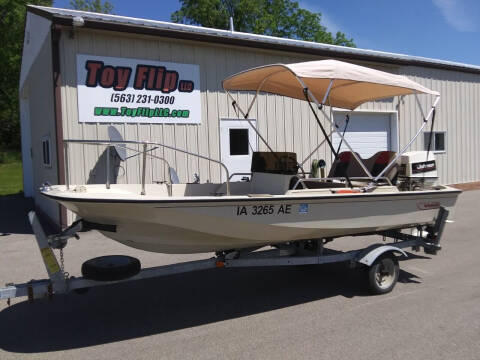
111 268
383 274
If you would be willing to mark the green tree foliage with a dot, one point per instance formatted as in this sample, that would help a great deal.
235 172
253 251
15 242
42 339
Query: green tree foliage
281 18
12 24
92 6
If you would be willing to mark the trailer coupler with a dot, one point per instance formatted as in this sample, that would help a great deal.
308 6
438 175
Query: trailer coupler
59 241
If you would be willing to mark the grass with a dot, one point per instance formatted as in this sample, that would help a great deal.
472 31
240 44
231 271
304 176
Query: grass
11 181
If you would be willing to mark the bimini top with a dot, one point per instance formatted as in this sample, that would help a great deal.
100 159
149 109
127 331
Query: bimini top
353 84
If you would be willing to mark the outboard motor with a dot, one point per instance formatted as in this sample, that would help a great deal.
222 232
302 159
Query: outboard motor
416 171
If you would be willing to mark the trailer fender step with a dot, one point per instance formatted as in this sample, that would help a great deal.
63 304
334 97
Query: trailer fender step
371 254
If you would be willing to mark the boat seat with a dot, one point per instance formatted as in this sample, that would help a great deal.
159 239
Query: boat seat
274 162
378 161
271 171
346 164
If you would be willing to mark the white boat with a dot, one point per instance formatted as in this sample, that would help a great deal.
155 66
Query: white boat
280 203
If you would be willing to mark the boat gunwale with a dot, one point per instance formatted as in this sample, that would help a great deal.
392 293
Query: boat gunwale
246 199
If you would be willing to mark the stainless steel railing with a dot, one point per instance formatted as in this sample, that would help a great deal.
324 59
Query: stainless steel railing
144 152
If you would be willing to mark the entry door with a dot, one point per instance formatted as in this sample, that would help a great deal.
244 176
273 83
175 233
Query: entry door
238 141
366 133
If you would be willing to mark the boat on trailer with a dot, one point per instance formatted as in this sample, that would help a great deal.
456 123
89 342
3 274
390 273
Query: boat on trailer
279 203
279 206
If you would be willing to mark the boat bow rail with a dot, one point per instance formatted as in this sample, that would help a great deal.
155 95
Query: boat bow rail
145 152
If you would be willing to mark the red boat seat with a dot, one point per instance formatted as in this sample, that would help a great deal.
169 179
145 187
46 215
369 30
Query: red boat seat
346 164
379 161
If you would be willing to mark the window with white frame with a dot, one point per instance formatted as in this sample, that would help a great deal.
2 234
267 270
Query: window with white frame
437 139
46 151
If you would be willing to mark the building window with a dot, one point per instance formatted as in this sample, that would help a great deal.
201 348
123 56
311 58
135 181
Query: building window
238 141
46 151
437 141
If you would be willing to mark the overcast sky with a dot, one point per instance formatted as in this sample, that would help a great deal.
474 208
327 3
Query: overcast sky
439 29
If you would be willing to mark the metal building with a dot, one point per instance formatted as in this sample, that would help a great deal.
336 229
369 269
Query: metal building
85 72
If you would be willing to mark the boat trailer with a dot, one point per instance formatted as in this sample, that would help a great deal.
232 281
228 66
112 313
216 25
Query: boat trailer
379 259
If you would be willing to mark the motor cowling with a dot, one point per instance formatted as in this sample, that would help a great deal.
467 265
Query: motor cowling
417 170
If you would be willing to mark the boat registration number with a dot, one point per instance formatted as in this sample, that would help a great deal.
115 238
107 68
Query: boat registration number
259 210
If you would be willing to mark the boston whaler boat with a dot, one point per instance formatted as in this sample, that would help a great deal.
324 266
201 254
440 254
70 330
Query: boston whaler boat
281 206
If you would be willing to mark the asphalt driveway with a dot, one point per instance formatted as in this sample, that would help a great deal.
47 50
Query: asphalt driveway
277 313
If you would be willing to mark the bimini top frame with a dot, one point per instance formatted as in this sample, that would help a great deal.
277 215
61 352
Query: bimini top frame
337 83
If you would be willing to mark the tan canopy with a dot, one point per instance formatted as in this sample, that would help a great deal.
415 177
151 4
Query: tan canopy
353 84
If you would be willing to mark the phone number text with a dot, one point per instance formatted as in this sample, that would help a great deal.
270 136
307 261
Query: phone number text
142 98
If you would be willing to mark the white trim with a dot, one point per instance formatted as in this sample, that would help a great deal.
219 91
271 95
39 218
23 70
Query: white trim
444 132
26 138
232 161
37 29
47 139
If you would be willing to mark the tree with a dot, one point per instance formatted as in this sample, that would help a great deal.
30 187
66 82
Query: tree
92 6
281 18
12 24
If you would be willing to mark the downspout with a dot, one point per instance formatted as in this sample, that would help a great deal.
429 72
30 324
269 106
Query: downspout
57 108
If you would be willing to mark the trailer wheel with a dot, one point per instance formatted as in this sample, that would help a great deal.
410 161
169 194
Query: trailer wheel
383 274
110 268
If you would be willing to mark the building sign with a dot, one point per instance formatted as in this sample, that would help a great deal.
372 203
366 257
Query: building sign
112 89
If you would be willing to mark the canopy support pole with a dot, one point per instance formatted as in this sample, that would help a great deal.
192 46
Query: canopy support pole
419 105
342 138
245 116
320 144
425 121
316 148
320 106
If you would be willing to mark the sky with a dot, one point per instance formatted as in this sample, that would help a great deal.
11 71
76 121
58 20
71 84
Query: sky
438 29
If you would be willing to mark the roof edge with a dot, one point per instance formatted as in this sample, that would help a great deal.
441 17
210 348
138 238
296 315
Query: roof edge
190 32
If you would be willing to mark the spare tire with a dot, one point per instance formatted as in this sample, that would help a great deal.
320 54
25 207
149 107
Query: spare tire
111 268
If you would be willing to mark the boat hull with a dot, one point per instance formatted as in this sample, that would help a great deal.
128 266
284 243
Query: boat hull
214 224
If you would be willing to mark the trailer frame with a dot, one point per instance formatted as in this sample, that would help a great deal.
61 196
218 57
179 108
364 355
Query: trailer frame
305 252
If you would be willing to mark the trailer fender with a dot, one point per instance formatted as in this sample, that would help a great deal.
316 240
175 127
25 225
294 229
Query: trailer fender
369 256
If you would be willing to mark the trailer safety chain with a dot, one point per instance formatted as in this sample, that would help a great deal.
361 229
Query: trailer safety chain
66 275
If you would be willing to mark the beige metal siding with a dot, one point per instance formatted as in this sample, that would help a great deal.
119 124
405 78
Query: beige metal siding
287 124
457 114
39 87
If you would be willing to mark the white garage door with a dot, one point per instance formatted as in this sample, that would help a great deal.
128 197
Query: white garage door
366 133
